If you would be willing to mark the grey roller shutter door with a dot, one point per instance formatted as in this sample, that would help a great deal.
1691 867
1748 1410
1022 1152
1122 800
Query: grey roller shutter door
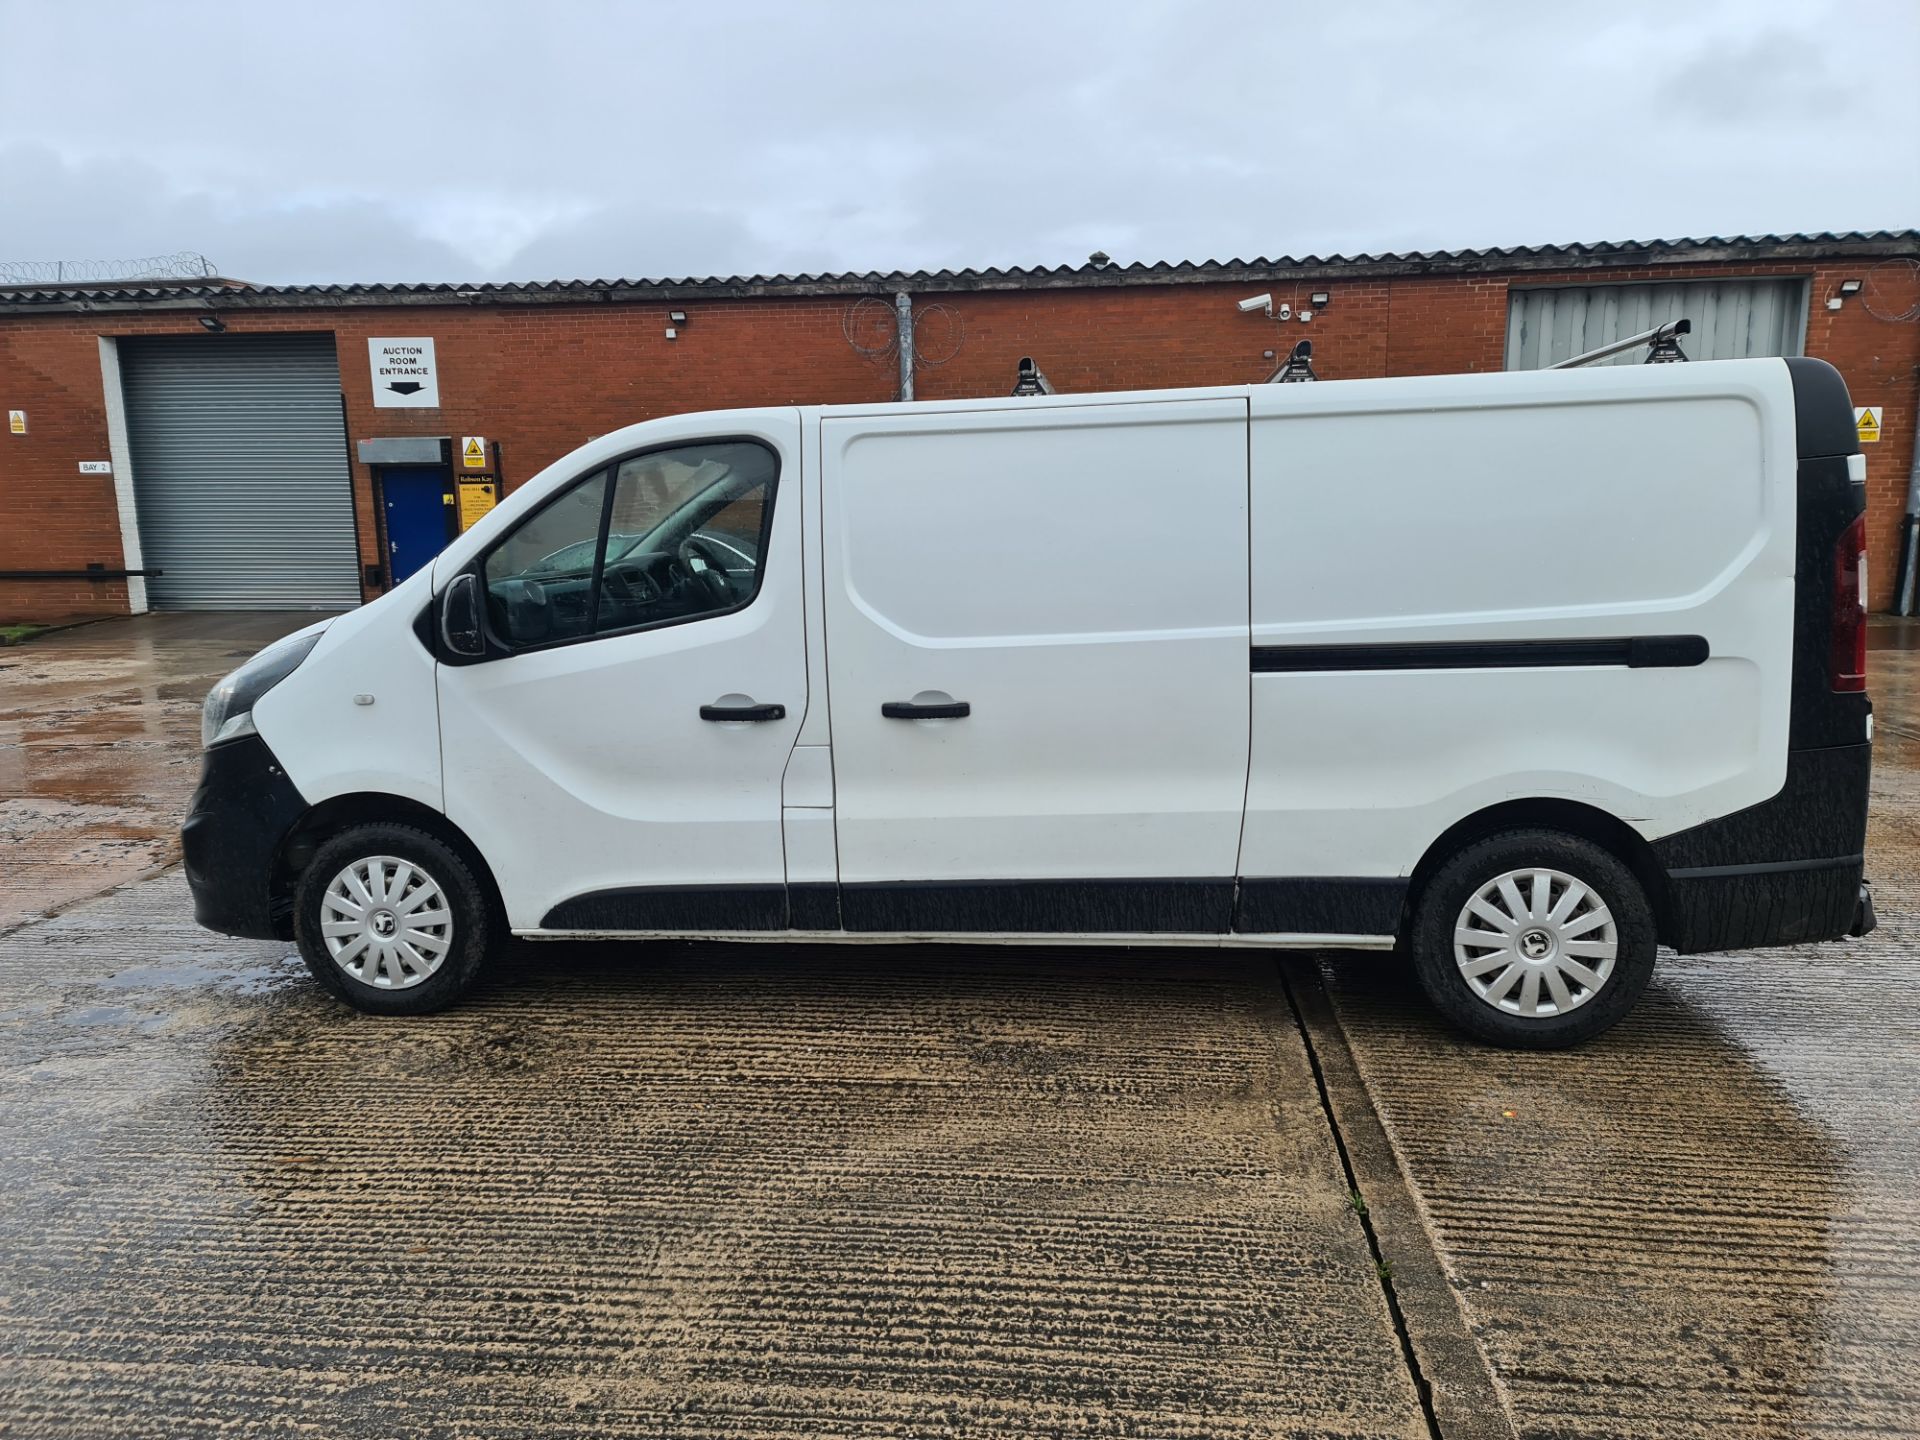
240 472
1732 320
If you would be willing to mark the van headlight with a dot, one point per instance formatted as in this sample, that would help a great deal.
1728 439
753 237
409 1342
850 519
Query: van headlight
228 713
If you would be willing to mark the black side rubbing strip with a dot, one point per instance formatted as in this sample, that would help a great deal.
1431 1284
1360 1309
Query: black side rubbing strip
1637 652
1034 907
673 907
1320 905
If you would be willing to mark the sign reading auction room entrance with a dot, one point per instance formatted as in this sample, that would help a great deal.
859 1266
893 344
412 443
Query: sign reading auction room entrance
404 375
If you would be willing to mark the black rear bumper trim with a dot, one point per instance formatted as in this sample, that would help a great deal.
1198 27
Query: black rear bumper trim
1769 867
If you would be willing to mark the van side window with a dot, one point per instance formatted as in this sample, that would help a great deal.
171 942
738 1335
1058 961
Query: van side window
678 534
539 578
684 534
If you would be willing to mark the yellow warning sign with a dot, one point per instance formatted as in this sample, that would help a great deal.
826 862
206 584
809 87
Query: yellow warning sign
476 499
17 421
1866 420
473 453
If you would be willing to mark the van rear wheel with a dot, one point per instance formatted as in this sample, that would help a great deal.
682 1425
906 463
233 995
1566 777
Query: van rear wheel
391 920
1533 939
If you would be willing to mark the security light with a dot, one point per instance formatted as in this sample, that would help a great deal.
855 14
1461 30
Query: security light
1850 287
1319 299
213 323
678 317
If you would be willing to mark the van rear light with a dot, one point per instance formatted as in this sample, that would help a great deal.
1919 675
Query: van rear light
1847 662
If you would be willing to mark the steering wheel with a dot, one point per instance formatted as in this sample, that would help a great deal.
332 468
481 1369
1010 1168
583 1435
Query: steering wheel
630 583
710 574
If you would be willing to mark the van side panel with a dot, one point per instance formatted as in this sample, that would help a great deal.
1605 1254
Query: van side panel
1076 579
1505 590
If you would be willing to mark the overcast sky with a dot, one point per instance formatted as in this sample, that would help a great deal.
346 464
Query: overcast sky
295 140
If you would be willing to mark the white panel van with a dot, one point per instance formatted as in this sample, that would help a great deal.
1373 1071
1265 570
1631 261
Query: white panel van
1520 673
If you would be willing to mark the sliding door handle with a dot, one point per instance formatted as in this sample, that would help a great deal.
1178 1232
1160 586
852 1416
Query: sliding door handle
743 712
910 710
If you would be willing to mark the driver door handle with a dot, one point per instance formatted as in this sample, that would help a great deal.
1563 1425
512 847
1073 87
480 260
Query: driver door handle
743 712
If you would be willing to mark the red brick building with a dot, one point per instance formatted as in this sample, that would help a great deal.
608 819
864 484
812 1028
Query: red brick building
131 450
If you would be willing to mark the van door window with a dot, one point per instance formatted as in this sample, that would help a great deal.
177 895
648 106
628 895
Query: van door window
685 534
539 579
677 535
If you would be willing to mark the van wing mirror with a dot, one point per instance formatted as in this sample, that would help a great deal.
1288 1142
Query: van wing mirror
460 617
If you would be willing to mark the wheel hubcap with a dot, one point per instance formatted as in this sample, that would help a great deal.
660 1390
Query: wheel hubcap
1535 943
386 922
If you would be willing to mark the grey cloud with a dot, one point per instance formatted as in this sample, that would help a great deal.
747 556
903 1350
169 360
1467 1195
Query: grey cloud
582 139
122 207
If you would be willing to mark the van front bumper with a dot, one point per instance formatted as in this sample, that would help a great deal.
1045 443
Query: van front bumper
239 817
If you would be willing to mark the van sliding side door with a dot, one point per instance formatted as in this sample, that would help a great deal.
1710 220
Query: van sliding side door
1037 634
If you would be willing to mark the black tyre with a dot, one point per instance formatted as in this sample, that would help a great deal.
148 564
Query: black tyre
1533 939
392 920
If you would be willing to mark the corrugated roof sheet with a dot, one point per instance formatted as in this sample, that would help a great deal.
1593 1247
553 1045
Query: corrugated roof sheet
1524 257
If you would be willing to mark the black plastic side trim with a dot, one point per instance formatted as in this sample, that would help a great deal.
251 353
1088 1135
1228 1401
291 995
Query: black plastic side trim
1313 905
673 907
1773 867
1819 813
1321 905
1040 907
236 822
1635 652
814 906
1822 409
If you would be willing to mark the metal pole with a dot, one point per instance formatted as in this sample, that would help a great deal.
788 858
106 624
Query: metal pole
1656 336
1910 538
903 311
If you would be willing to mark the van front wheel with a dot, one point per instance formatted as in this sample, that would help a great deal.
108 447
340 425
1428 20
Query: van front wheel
391 920
1533 939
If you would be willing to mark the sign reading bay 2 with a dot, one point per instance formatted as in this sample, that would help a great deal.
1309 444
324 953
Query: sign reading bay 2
404 374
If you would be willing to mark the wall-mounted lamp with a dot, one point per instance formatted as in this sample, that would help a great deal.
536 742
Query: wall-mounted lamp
1319 299
212 323
1850 287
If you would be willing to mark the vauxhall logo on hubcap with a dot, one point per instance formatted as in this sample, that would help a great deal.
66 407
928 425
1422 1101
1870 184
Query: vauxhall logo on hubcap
383 923
1536 944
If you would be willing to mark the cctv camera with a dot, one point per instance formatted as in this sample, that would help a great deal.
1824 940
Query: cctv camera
1256 302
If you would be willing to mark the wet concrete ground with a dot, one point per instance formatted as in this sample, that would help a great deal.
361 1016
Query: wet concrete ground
99 747
745 1191
1707 1222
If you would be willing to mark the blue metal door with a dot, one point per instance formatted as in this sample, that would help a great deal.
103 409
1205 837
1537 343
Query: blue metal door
417 511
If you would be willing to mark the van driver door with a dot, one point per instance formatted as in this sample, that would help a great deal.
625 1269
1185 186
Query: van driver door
617 754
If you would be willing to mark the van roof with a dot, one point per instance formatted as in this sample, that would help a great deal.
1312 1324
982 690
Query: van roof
1367 391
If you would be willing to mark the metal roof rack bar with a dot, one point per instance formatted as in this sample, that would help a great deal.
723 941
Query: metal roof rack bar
1662 342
